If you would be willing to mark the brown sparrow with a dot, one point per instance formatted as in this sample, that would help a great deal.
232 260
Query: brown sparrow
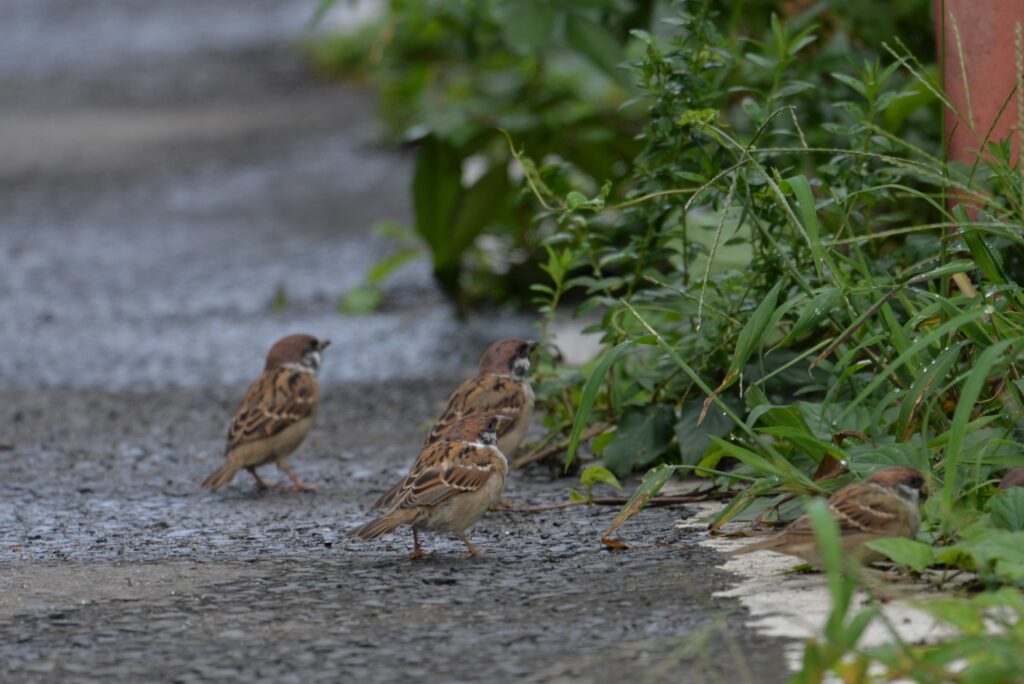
276 414
884 505
500 386
453 482
1013 478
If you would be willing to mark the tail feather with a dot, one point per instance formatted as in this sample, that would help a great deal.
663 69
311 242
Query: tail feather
382 525
388 497
220 477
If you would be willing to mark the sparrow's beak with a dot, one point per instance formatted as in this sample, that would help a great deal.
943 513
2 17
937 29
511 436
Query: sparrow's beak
925 491
531 346
501 419
324 344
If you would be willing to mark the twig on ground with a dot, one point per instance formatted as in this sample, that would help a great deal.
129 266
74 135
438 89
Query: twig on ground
672 500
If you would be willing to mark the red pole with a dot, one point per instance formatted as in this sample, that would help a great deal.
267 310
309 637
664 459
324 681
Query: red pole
984 33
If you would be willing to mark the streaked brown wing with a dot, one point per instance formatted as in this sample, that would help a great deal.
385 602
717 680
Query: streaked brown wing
276 400
856 508
455 468
431 456
869 509
481 393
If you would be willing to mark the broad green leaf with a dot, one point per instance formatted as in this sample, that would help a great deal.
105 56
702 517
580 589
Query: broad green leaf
642 436
477 206
1007 509
909 552
695 439
436 187
957 612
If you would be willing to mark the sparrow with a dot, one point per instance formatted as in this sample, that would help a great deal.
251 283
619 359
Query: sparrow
1013 478
276 414
454 481
884 505
500 386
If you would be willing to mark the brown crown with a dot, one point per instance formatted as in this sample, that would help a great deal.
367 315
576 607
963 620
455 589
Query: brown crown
1014 478
291 349
499 356
892 477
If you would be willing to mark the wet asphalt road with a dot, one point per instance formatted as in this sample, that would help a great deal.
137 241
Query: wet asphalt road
166 168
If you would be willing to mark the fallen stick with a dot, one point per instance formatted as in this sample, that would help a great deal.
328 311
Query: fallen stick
611 501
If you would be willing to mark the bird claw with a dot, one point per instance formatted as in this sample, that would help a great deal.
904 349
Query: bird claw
419 553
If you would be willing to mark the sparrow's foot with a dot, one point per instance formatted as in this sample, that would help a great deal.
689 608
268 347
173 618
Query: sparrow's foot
261 484
471 551
417 550
297 484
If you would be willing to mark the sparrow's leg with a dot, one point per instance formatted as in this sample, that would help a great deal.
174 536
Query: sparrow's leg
297 484
260 483
472 551
417 550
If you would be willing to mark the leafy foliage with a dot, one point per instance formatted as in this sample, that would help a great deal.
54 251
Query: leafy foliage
750 200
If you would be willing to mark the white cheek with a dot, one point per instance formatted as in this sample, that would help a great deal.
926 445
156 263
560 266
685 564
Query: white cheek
313 360
521 366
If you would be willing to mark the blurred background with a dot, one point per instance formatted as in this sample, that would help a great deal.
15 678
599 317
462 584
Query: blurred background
180 188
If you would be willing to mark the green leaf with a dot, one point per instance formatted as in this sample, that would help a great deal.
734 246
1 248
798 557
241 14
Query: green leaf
642 437
385 267
589 394
477 206
916 348
809 218
969 394
360 300
436 187
1007 509
695 439
961 614
776 466
654 480
826 531
753 332
814 313
593 474
917 555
